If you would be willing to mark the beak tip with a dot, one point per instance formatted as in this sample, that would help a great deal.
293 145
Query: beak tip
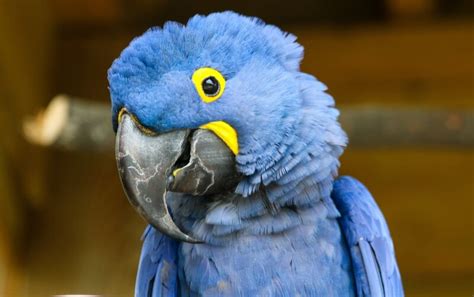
174 232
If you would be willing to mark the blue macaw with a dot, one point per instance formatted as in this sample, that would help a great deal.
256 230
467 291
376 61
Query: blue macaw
259 211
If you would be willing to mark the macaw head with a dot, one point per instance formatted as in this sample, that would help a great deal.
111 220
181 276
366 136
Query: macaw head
202 107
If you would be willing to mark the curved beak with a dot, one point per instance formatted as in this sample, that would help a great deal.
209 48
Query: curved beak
197 163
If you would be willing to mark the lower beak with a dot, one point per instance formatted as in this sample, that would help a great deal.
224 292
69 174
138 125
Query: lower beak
150 165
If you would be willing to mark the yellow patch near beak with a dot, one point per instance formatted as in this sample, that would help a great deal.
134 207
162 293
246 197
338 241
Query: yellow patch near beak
225 132
175 172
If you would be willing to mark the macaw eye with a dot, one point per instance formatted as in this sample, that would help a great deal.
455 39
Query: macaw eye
209 84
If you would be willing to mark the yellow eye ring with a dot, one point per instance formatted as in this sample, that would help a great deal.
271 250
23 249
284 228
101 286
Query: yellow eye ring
209 84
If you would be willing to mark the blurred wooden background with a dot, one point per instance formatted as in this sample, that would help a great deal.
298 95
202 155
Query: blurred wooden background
65 226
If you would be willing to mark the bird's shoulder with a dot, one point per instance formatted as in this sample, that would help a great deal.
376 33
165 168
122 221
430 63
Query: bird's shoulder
157 271
366 232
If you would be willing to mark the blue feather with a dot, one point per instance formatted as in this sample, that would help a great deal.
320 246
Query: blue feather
157 272
367 234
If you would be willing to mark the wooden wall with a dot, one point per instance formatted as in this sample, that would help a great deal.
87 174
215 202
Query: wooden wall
25 45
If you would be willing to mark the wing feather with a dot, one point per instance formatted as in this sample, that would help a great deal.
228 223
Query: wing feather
373 257
157 272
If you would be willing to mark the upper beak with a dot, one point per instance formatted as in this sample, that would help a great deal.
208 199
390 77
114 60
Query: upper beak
149 166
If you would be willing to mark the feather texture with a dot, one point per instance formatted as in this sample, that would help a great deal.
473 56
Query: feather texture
157 272
373 256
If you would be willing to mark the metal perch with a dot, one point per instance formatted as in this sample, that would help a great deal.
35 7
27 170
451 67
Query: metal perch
77 124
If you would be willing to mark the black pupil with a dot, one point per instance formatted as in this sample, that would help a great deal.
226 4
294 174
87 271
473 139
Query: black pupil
210 86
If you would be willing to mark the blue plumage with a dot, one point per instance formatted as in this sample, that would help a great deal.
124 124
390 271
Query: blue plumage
280 233
157 272
369 240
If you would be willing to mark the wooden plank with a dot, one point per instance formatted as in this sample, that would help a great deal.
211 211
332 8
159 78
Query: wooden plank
24 55
87 11
87 239
25 27
119 12
82 125
12 232
404 64
72 124
410 9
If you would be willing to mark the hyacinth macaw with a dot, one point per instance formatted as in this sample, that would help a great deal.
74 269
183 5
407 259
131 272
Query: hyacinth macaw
230 152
